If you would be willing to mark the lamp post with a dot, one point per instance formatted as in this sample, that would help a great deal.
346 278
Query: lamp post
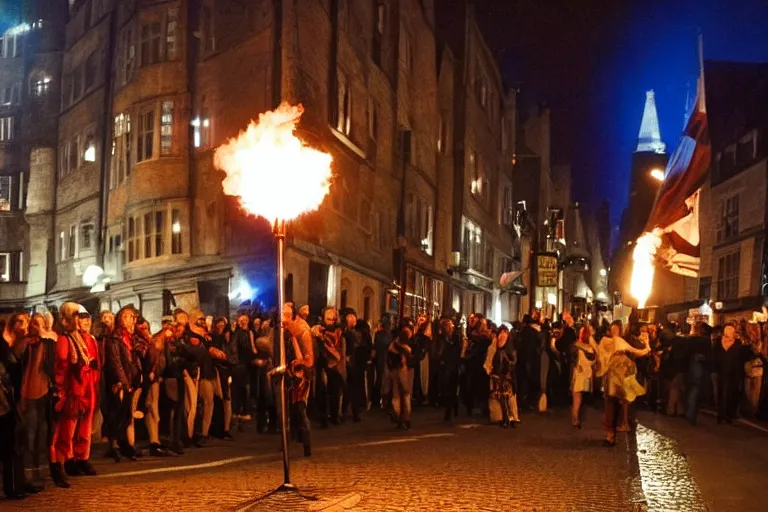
276 176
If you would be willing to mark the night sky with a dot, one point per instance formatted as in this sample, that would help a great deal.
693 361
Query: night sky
593 60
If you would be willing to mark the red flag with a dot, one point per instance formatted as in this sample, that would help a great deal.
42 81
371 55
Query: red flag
676 211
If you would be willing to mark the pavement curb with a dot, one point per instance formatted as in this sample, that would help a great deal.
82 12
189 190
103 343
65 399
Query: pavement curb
741 421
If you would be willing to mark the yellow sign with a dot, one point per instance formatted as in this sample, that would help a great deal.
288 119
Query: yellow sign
546 270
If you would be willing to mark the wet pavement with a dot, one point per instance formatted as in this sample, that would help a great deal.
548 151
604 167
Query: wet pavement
543 465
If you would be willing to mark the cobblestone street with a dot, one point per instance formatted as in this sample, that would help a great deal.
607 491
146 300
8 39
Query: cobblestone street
542 465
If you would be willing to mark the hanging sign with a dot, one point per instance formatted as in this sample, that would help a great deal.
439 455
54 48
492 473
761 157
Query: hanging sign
546 269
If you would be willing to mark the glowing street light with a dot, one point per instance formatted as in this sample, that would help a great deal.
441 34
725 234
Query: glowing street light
278 177
658 175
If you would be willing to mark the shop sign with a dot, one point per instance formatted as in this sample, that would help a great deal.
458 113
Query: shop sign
546 269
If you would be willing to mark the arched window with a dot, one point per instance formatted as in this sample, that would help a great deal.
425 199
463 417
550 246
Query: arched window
40 85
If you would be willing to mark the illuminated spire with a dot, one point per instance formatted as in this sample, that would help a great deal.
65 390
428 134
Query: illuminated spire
649 139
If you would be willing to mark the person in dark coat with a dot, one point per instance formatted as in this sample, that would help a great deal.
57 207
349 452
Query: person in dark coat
529 361
122 374
448 345
729 356
12 347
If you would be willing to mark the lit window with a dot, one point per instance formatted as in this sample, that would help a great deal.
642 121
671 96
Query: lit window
146 136
121 150
170 33
40 86
5 267
89 150
166 128
5 193
6 129
176 232
62 246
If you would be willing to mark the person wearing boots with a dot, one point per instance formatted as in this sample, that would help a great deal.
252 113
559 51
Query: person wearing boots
123 376
76 373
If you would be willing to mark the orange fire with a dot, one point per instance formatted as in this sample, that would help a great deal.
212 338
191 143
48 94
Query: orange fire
273 173
642 267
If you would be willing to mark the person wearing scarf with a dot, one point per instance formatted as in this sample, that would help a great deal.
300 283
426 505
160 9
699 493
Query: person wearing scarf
123 376
76 371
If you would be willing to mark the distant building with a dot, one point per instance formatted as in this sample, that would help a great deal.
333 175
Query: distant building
734 246
478 120
110 113
649 161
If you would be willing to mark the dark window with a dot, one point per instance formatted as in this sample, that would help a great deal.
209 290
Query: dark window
146 136
86 236
150 43
728 276
159 233
91 65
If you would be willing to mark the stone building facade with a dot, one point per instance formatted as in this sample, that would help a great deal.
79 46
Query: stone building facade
30 66
142 92
478 121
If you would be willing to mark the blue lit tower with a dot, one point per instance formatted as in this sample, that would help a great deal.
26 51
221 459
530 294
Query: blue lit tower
649 160
649 156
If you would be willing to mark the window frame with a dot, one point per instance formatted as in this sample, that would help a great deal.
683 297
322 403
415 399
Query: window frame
5 267
728 273
151 39
7 205
7 128
145 135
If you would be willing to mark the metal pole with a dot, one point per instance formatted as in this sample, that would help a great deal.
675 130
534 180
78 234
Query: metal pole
279 232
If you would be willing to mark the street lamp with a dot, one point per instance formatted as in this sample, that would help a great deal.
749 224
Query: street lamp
276 176
658 175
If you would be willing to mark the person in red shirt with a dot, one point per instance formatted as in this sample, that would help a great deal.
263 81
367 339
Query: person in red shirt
76 374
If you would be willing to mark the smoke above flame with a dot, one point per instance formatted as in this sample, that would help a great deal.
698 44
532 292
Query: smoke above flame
272 172
642 268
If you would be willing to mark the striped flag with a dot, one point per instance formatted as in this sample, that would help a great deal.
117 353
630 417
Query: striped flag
675 214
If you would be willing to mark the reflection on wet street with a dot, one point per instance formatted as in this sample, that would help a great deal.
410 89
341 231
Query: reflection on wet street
666 475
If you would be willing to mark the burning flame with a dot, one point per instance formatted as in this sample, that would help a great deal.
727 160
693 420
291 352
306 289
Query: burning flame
642 269
273 173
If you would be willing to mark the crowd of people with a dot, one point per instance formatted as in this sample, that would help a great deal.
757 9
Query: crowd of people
66 381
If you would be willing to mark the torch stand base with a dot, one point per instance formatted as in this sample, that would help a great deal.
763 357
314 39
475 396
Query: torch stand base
286 488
